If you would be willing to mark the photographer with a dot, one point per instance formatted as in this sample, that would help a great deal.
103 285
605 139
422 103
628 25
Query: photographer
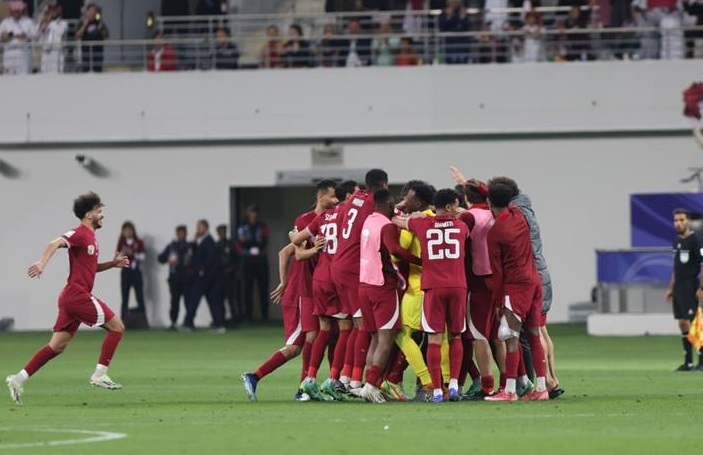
16 30
92 29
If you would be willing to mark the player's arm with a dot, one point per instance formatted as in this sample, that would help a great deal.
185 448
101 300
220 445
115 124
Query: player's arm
36 269
457 175
401 222
283 256
303 254
698 135
120 261
297 238
389 238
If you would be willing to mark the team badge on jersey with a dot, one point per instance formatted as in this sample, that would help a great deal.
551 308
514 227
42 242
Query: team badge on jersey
684 256
91 250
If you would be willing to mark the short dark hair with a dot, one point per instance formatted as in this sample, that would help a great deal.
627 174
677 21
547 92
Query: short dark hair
682 212
408 186
221 226
325 184
181 227
297 28
376 179
424 192
382 199
444 197
344 188
502 190
85 203
475 191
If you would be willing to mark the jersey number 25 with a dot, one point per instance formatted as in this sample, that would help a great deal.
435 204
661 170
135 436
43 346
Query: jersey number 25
441 245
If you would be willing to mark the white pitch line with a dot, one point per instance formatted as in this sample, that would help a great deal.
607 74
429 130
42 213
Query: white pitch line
97 436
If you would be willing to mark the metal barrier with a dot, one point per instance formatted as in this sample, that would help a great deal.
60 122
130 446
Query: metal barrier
384 39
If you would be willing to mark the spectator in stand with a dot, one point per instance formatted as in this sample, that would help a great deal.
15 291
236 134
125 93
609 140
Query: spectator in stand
162 56
624 43
211 7
204 269
296 51
356 50
573 46
92 30
663 15
407 55
226 55
178 254
51 34
533 43
489 48
175 8
131 246
329 46
454 19
694 38
385 45
252 243
270 55
16 31
228 274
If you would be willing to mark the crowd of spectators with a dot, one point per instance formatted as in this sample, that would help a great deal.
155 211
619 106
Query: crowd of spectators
368 32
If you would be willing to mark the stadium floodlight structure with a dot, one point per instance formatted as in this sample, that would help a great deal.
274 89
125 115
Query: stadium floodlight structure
92 166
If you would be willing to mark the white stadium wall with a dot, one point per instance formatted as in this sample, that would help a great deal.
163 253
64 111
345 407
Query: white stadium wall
580 184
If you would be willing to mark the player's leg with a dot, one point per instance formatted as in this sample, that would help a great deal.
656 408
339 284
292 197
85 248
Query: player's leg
434 324
115 332
411 311
539 362
481 322
456 324
294 339
58 343
509 332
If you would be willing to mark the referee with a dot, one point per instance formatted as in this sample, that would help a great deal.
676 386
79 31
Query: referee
684 290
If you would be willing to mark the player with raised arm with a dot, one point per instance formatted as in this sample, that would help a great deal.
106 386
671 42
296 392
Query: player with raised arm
345 272
326 303
294 295
443 239
76 303
518 286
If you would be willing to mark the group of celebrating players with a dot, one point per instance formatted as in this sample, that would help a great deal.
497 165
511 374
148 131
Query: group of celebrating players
426 283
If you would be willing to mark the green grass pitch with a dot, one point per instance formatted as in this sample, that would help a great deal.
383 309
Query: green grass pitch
182 395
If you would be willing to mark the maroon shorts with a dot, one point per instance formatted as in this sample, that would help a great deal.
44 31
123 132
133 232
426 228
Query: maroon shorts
347 285
525 301
481 309
292 327
380 307
325 300
444 307
88 310
308 321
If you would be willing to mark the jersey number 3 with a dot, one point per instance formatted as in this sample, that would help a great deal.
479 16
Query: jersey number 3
441 245
351 216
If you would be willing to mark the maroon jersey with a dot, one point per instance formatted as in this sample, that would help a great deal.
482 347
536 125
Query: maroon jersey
326 225
510 251
82 259
352 217
443 242
300 273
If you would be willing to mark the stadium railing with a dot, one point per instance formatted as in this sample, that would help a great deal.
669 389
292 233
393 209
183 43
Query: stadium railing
192 40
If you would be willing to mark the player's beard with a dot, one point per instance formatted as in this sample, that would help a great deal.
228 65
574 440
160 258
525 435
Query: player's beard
97 224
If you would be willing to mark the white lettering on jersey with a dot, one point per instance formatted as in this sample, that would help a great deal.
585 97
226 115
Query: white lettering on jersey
91 250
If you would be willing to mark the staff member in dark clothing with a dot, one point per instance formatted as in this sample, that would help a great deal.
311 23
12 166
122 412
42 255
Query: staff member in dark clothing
130 245
204 280
178 254
252 240
92 29
684 291
227 281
